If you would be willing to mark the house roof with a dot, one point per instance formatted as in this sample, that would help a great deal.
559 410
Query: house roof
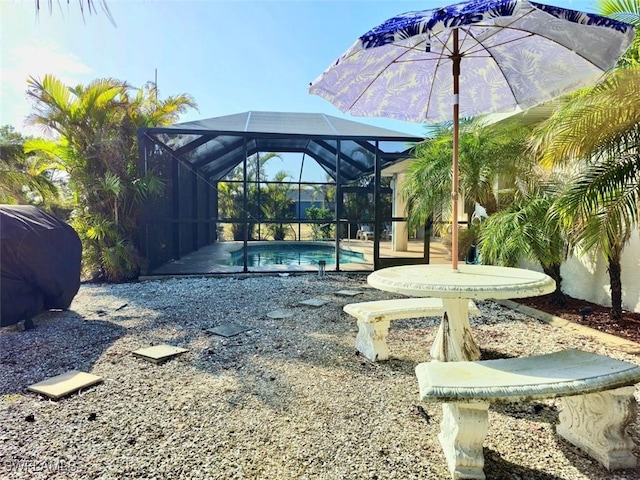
214 146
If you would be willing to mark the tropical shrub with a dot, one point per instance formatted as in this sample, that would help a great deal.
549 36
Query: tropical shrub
92 137
324 230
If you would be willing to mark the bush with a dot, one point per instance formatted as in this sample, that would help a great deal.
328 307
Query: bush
320 230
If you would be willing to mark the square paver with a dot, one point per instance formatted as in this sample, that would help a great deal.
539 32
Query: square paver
228 330
314 302
159 353
280 314
348 293
65 384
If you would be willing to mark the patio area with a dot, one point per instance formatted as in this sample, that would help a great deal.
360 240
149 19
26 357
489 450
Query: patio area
287 398
213 259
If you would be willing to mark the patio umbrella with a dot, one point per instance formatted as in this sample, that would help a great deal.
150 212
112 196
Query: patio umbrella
471 58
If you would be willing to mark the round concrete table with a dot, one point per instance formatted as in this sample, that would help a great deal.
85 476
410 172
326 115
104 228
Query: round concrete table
454 340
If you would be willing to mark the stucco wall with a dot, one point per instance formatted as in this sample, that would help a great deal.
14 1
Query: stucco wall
589 280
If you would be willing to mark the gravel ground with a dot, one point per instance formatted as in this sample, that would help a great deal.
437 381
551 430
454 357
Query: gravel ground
288 399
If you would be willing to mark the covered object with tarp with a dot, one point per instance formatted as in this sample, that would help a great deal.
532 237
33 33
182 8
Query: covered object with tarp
40 259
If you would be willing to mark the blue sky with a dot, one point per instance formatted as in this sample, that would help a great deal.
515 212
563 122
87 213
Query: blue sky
232 56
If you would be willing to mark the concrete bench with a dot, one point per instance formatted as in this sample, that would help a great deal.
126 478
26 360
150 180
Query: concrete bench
597 397
374 318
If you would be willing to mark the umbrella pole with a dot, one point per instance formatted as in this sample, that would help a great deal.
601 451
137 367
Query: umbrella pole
455 57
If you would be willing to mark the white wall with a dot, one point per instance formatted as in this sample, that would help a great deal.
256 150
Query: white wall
589 280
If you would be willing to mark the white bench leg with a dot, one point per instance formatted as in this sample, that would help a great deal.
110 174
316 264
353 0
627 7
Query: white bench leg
454 341
462 433
597 423
371 340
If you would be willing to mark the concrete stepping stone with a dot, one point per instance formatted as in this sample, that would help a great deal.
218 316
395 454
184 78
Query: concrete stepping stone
277 314
314 302
159 353
65 384
348 293
228 330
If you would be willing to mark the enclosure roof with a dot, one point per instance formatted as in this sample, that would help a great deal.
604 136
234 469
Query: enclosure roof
214 146
286 123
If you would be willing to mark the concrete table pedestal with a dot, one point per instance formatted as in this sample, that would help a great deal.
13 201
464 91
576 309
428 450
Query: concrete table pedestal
454 341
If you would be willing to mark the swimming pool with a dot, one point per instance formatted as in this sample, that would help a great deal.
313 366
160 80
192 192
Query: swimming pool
300 253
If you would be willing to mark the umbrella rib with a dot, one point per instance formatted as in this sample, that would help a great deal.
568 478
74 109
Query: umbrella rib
395 60
474 51
517 29
497 29
435 71
555 42
479 46
506 80
444 44
479 49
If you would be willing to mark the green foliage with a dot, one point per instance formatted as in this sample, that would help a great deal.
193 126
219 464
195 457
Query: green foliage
489 156
231 206
597 131
24 178
93 140
106 255
276 205
524 230
325 192
262 201
593 121
121 261
497 171
324 230
358 207
626 11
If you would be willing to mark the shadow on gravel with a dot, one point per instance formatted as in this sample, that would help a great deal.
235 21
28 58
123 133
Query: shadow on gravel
497 467
488 354
30 356
538 414
589 466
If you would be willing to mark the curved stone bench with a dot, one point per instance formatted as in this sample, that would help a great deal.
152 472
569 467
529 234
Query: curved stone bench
597 396
374 318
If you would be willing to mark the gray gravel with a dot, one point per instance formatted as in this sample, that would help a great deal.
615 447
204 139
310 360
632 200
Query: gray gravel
288 399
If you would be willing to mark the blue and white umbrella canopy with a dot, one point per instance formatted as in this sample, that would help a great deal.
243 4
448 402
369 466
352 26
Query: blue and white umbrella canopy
514 54
471 58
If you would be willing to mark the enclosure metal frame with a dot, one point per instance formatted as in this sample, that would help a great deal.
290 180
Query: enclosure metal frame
151 142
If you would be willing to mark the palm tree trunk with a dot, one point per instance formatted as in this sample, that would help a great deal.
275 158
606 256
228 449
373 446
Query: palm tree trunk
557 297
615 280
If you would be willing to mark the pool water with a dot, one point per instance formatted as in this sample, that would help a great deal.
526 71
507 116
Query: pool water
293 254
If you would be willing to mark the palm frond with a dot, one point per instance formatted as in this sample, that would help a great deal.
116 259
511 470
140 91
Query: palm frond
624 10
85 5
600 205
590 122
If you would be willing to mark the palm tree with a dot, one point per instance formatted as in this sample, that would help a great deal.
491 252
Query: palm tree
598 129
94 130
230 194
491 156
524 230
276 204
325 191
23 178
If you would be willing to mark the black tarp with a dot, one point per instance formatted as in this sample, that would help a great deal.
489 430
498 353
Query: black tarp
40 259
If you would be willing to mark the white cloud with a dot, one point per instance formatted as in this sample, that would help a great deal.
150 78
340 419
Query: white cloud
23 61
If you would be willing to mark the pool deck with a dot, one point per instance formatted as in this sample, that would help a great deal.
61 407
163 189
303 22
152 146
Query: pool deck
211 258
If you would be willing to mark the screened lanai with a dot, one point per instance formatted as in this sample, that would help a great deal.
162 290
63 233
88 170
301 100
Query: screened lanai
219 211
